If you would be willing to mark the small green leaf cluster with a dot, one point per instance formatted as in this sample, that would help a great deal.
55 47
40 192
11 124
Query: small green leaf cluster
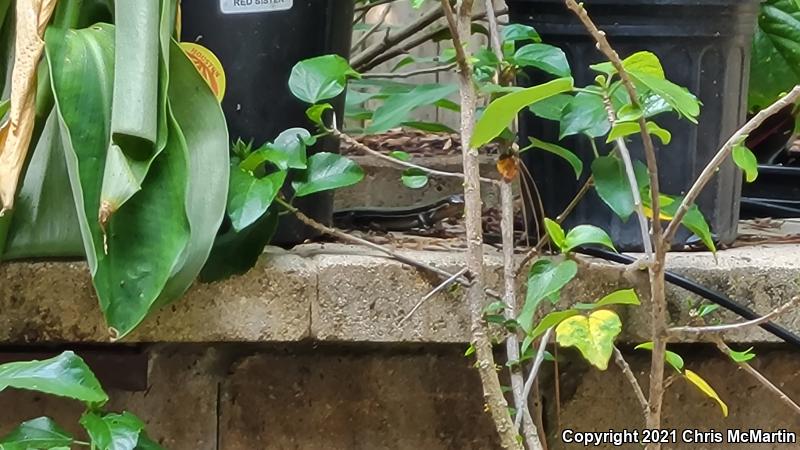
68 376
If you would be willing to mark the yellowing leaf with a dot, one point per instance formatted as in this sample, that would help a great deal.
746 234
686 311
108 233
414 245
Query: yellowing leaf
15 136
705 388
592 335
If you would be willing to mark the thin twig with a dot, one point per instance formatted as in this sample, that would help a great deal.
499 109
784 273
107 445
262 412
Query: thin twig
349 140
722 155
626 370
378 23
537 363
697 331
371 5
409 74
442 286
760 377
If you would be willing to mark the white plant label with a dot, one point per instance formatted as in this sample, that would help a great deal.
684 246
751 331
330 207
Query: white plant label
254 6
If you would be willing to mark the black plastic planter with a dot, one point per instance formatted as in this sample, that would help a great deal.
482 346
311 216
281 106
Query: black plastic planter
258 42
703 45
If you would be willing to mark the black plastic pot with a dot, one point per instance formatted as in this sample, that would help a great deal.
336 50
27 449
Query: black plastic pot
258 42
775 194
703 45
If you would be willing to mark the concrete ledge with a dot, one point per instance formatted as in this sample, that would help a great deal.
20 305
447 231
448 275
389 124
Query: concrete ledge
334 292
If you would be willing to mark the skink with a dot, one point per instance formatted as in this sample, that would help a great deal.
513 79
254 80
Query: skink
400 219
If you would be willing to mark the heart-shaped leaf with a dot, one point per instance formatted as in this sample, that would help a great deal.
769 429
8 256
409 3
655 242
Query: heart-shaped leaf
592 335
320 78
250 197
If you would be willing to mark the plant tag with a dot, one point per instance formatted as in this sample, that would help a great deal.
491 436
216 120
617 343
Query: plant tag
254 6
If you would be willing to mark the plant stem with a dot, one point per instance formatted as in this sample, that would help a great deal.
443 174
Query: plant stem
460 30
626 370
537 364
697 331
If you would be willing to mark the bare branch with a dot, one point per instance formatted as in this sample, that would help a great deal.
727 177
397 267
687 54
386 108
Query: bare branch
722 155
409 74
442 286
537 364
626 370
697 331
378 23
760 378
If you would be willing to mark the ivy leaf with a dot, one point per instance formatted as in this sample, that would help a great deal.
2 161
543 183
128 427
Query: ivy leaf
414 178
34 434
66 375
545 57
706 389
622 129
612 185
585 114
502 111
592 335
563 153
621 297
327 171
587 234
743 356
745 160
112 431
250 197
320 78
545 278
555 232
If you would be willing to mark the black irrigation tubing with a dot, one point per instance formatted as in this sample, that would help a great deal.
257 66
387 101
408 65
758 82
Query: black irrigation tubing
713 296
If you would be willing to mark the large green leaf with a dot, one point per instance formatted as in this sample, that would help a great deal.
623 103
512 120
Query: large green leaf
113 431
775 66
397 109
320 78
144 242
586 114
612 185
325 172
44 219
65 375
249 197
544 57
545 279
501 112
41 433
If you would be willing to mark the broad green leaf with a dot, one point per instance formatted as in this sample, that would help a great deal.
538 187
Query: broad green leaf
327 171
145 242
137 107
145 443
775 66
746 160
593 336
414 178
400 155
44 222
673 359
743 356
65 375
629 113
623 129
501 112
397 108
249 197
612 185
545 57
552 108
545 278
517 32
585 114
555 232
320 78
706 389
697 224
679 98
566 155
41 433
547 322
288 151
621 297
113 431
587 234
644 62
235 253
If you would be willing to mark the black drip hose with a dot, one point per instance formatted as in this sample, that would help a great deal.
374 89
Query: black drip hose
713 296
